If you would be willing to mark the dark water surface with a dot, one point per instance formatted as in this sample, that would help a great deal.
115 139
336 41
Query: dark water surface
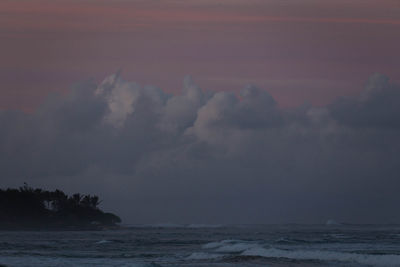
202 245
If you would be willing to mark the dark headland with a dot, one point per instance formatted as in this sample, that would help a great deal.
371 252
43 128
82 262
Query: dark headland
27 208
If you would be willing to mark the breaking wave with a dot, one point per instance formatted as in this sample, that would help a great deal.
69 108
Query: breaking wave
203 256
226 248
366 259
217 244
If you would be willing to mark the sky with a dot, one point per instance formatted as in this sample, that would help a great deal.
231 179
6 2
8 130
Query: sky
206 111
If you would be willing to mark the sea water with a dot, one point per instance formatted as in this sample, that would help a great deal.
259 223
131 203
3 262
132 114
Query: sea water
206 245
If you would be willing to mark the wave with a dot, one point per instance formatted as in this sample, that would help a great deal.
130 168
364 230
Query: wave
365 259
255 249
221 243
204 226
286 240
239 247
230 246
173 225
338 236
332 223
103 241
165 225
204 256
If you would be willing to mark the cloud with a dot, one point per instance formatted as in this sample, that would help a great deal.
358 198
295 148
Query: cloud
377 107
212 157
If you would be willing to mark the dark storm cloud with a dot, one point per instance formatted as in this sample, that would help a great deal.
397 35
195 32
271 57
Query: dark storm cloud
212 157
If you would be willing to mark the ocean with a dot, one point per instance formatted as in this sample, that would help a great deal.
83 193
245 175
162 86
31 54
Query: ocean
206 245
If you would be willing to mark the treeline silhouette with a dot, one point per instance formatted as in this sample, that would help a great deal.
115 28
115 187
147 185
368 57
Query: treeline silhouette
28 208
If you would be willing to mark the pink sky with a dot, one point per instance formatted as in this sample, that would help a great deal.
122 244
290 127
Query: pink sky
300 51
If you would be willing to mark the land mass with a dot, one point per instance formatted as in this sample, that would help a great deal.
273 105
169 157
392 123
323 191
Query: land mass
27 208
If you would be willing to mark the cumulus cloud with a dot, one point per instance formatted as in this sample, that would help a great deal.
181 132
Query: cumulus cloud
216 157
377 107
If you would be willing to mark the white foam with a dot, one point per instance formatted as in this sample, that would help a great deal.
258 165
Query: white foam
238 247
371 260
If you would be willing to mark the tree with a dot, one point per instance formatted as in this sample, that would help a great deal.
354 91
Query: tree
27 207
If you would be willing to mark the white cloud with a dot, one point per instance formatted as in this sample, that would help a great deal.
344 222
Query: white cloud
194 155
